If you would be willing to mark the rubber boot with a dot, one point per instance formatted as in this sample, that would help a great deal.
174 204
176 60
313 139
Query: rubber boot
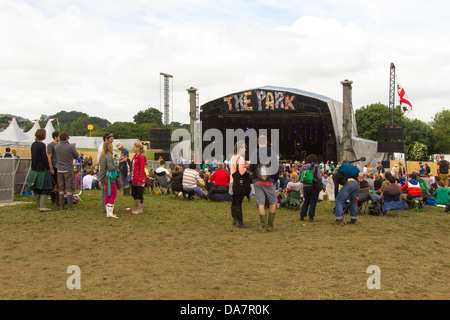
140 208
61 201
339 222
233 215
271 220
126 192
43 203
37 198
70 202
239 219
110 210
53 196
263 219
136 207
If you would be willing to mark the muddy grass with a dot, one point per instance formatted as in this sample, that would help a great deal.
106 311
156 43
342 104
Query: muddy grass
188 250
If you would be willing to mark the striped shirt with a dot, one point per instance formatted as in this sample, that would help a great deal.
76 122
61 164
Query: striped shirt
190 178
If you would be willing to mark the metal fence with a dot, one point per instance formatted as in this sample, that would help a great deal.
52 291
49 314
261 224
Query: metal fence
13 177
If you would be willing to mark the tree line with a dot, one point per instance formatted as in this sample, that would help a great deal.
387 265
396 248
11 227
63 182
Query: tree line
76 124
421 139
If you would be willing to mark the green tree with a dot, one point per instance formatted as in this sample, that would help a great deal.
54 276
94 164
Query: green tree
124 130
418 152
441 131
370 118
75 122
417 131
150 115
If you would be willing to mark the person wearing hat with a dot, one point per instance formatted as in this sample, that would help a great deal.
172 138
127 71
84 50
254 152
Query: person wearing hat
124 162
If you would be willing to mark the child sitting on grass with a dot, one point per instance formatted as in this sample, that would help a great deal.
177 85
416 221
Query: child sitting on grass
442 194
294 185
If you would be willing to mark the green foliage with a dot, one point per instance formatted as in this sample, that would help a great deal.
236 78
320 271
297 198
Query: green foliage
150 115
441 131
75 122
371 117
417 131
417 152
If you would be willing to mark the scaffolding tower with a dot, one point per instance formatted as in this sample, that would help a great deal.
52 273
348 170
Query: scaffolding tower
167 90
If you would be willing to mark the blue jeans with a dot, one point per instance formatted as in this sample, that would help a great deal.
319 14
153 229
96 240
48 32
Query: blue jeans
349 190
310 201
196 189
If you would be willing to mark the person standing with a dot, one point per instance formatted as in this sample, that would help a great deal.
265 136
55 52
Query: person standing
108 176
138 178
237 163
265 169
309 194
65 154
380 168
107 137
123 167
51 154
347 176
40 180
442 169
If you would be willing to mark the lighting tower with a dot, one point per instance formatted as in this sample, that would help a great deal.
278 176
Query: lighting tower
166 97
392 93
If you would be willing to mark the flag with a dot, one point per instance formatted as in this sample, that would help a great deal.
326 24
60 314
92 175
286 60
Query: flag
404 100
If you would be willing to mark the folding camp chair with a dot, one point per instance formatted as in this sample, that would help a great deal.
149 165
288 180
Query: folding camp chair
177 186
363 201
392 203
292 201
162 182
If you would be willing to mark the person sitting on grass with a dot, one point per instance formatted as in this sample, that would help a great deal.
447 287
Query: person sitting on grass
413 189
90 181
442 194
191 181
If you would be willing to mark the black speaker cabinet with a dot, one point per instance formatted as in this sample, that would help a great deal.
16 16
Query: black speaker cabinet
390 132
390 147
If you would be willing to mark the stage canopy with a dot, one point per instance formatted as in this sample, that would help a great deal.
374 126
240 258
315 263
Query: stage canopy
307 122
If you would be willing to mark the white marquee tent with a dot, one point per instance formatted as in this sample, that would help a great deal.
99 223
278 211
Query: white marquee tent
14 136
33 130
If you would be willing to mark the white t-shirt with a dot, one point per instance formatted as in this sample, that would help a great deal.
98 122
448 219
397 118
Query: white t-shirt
161 169
87 181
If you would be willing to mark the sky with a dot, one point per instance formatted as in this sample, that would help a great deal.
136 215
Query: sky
104 57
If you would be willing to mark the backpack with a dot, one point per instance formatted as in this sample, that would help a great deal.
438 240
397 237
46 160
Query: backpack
443 166
307 176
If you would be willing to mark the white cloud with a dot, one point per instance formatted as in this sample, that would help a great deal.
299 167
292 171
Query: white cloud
104 57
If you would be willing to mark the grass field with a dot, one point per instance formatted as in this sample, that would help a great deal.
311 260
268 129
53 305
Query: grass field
181 249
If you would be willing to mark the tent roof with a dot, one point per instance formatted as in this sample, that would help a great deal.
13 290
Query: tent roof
13 135
49 130
33 130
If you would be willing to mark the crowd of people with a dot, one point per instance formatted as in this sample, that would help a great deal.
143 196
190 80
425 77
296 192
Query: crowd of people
303 184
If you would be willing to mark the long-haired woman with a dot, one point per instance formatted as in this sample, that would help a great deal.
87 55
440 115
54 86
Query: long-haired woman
138 178
108 166
237 163
40 181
